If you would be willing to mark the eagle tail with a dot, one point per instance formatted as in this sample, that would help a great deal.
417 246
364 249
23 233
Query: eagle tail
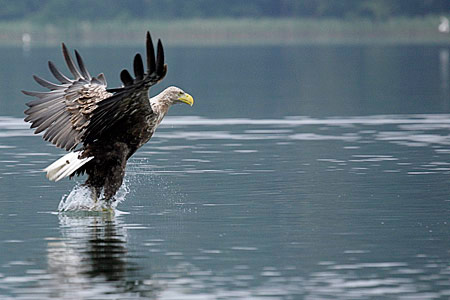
66 166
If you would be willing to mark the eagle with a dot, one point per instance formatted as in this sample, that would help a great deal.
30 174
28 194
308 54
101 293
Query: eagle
101 127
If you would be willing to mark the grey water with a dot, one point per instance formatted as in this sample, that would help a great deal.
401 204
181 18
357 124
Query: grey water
301 172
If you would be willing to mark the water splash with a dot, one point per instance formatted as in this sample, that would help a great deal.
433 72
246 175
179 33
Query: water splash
80 199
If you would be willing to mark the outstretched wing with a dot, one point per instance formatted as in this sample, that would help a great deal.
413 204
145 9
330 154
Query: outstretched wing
132 98
82 110
64 111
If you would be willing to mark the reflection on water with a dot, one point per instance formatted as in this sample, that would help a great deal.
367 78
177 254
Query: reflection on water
88 260
90 246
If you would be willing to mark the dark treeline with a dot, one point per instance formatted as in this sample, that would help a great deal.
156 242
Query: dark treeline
50 11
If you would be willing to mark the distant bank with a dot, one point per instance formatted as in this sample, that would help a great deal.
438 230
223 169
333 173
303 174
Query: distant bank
229 32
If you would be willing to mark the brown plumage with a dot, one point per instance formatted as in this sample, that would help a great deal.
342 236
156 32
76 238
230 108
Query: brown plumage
102 127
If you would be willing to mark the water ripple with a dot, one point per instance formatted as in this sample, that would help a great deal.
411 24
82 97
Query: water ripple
262 178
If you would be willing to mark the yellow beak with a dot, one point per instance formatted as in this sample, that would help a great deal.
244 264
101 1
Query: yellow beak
186 98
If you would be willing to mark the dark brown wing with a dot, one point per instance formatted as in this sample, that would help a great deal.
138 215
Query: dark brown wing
130 99
64 112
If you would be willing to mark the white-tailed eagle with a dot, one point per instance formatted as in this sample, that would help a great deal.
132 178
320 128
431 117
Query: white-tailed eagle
102 128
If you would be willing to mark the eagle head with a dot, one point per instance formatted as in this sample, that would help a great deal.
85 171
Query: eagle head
175 95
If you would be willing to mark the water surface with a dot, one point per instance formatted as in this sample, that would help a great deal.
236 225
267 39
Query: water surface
300 173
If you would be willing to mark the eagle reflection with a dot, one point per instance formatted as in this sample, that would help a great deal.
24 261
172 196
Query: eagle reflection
92 257
106 252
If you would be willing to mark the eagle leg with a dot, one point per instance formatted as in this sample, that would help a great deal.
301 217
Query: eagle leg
114 181
115 170
95 193
107 172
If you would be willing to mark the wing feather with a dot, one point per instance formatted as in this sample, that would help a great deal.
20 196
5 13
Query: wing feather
160 59
52 131
63 112
58 75
83 69
47 84
138 67
63 136
53 110
150 54
42 95
41 104
101 78
126 78
70 63
47 122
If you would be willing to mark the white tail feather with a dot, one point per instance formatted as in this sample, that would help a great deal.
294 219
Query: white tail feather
65 166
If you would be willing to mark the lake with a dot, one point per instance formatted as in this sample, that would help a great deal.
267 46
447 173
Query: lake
301 172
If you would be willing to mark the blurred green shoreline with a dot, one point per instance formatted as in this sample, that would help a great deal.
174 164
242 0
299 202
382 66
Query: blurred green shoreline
219 32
